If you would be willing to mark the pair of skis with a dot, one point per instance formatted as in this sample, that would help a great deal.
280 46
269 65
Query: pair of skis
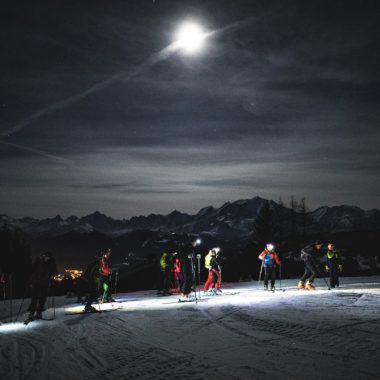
271 290
32 319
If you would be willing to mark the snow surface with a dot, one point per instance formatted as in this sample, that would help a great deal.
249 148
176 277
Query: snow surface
244 334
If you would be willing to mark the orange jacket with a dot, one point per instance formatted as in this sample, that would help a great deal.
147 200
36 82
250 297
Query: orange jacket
273 256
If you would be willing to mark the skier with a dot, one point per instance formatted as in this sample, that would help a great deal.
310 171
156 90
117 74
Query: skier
105 276
185 256
212 285
91 281
334 265
311 270
178 275
270 260
219 259
43 269
166 264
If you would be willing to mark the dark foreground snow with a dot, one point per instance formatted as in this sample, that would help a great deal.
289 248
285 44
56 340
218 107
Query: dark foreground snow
250 335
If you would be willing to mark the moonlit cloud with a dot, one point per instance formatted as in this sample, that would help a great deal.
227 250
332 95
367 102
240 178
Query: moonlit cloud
282 100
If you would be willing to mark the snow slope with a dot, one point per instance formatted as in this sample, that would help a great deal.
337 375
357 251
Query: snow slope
250 335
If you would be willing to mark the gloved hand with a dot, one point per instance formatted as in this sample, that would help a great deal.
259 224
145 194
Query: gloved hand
340 267
327 268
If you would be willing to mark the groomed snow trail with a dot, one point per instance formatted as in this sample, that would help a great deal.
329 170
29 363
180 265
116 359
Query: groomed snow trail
249 335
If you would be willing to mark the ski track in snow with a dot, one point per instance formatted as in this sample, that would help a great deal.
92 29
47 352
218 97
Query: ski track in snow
251 335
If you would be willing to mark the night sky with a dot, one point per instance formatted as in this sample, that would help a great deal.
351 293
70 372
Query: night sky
282 100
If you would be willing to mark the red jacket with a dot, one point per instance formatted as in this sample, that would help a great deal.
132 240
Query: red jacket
273 257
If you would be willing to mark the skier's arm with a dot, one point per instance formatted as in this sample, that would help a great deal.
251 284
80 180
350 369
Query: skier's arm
276 259
262 255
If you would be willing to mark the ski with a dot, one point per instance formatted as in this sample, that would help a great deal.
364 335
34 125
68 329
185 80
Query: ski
28 320
79 312
224 293
191 300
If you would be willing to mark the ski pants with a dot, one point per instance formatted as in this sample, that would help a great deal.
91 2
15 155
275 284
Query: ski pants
166 278
92 292
270 273
187 279
334 275
178 279
105 288
213 280
310 273
39 295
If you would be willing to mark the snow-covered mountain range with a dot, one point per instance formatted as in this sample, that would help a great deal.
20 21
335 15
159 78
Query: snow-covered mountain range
232 220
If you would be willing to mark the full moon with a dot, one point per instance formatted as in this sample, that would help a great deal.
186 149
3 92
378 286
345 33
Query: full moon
190 38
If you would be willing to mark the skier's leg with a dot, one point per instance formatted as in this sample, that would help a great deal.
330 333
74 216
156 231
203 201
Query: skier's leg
335 276
215 278
305 275
266 278
208 282
273 278
41 301
218 281
332 276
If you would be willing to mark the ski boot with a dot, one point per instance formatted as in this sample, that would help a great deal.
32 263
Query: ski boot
272 288
301 285
38 315
89 309
219 291
309 286
265 287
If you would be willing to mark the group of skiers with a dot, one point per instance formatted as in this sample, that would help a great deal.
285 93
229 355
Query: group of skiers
333 265
181 269
96 281
179 272
309 254
94 284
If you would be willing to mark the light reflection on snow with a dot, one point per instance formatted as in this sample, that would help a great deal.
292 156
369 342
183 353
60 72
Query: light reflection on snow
13 326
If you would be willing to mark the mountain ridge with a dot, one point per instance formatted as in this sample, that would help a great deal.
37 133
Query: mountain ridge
233 219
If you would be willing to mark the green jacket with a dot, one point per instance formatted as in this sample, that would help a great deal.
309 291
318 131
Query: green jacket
165 261
333 257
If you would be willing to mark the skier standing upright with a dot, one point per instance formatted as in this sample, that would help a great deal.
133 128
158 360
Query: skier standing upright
334 264
166 265
213 280
311 269
178 275
43 269
91 285
105 276
185 254
270 260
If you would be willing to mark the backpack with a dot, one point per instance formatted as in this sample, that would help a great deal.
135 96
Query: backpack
268 260
208 261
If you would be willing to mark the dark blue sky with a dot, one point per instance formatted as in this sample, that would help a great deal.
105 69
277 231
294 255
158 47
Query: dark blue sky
283 101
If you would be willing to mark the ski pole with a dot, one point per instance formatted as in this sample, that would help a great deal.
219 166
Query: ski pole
53 305
11 297
116 278
319 272
52 295
21 305
261 270
4 296
199 274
